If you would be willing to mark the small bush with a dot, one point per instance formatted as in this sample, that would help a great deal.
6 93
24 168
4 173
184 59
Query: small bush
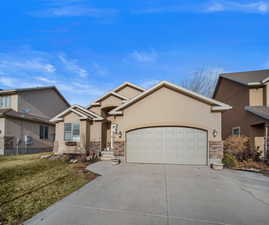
238 146
229 161
250 164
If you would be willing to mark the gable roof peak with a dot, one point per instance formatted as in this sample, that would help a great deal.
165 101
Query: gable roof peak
128 84
79 110
216 105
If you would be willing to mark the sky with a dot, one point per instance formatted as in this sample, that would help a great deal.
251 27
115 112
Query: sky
88 47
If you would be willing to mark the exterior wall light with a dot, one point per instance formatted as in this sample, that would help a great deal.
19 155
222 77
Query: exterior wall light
120 134
215 133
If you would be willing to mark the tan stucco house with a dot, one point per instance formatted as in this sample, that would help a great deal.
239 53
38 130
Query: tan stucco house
24 119
248 94
164 124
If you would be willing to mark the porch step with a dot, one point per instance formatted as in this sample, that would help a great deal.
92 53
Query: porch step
107 155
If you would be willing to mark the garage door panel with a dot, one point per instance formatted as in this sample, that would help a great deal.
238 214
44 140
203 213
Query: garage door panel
175 145
145 146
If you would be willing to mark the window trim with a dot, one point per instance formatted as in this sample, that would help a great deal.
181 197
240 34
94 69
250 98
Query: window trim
235 128
73 138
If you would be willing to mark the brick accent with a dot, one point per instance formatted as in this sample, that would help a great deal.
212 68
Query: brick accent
95 146
215 151
55 146
118 148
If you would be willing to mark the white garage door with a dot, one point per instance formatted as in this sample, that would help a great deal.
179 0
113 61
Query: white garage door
175 145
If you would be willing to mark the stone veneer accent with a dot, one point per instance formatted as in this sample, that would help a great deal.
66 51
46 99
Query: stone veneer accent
95 146
118 148
215 151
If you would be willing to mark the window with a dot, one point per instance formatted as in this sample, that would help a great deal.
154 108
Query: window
71 132
44 132
5 101
236 131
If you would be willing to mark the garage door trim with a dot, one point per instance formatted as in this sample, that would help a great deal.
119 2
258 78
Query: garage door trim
156 126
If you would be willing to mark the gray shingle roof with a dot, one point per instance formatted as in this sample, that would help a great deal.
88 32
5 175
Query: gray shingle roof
17 90
247 77
261 111
24 116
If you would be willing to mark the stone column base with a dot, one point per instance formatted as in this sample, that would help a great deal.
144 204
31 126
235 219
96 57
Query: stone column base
118 148
215 151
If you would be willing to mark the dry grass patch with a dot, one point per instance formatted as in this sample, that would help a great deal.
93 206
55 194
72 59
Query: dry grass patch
29 184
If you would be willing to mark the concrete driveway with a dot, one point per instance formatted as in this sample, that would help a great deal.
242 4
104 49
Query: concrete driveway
133 194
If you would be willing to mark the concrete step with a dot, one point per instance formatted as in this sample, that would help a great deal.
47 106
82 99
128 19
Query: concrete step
107 153
106 158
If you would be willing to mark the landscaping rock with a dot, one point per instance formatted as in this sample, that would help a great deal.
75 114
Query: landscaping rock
73 161
44 157
217 166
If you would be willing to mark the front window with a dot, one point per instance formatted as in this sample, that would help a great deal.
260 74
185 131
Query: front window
44 132
236 131
5 101
71 132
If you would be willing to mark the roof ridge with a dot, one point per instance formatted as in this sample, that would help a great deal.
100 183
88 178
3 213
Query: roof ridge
219 105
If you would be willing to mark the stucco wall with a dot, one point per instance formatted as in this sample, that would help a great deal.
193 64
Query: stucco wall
96 109
60 146
90 131
14 102
237 96
129 92
166 107
20 128
44 103
111 100
2 127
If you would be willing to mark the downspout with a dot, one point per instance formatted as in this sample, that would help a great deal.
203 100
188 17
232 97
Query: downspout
266 142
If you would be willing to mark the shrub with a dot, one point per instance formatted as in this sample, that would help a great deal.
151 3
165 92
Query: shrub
238 146
229 161
252 164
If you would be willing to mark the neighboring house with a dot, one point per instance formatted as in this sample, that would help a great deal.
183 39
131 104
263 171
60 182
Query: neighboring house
24 119
248 94
164 124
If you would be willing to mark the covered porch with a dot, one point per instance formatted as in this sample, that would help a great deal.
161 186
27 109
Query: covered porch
259 139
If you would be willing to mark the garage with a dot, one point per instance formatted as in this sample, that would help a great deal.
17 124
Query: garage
168 145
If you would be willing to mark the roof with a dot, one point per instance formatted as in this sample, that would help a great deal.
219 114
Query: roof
114 92
19 90
82 112
20 115
130 85
111 93
261 111
216 105
258 77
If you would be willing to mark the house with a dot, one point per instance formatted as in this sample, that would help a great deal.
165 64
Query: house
248 94
164 124
24 119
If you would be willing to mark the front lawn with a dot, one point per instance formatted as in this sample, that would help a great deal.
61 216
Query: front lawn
29 184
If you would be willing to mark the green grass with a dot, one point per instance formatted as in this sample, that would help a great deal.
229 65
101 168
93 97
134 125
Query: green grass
29 184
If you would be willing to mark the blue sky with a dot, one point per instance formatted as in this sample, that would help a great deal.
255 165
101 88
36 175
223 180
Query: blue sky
87 47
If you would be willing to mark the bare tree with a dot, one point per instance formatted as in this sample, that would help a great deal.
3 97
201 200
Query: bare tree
203 81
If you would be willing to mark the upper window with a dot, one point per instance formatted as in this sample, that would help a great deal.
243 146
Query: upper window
5 101
71 132
236 131
44 132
